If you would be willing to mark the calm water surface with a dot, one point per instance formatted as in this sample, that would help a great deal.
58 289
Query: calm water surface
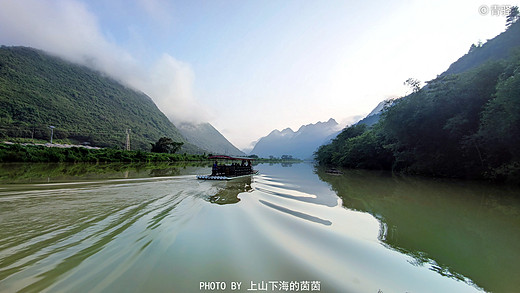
118 228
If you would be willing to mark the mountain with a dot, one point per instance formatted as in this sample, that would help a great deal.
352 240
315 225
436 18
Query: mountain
38 90
300 144
373 117
206 137
461 125
498 48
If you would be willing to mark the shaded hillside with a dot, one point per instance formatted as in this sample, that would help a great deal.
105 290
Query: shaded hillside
300 144
38 90
464 125
206 137
495 49
370 120
373 117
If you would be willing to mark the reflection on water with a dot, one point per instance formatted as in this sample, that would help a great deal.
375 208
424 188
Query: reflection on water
66 172
229 190
464 230
159 229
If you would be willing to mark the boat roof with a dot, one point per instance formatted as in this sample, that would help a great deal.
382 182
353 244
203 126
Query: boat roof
219 157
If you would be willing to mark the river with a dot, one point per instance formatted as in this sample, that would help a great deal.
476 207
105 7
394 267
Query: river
295 228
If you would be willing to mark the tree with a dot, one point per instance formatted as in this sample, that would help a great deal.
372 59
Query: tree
475 46
287 157
513 16
413 83
166 145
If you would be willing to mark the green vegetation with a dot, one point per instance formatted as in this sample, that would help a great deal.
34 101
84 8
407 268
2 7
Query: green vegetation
31 153
66 172
513 16
38 91
498 48
464 125
166 145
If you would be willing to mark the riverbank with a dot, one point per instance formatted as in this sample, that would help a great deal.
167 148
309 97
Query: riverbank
42 154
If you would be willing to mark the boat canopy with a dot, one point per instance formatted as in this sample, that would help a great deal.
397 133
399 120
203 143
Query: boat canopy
230 158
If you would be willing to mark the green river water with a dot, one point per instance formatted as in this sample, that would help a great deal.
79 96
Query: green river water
291 228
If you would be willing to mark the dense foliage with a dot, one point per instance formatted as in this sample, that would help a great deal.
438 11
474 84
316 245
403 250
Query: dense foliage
463 125
166 145
494 49
38 91
32 153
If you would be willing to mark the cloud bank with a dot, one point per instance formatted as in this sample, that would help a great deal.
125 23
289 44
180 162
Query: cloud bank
68 29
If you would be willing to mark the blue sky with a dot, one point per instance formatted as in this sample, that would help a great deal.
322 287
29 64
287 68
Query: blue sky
249 67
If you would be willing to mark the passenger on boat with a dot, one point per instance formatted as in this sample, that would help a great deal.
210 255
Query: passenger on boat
214 169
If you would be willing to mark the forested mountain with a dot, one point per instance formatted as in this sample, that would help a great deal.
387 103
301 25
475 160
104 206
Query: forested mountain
205 136
300 144
498 48
464 125
38 90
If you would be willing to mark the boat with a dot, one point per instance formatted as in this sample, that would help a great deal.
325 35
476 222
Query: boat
232 171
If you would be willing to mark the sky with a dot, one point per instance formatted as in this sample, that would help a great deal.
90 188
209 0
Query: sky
249 67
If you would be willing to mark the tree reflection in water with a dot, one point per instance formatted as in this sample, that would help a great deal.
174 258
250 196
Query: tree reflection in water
459 229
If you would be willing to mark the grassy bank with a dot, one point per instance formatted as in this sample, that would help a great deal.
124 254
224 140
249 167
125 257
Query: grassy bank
30 153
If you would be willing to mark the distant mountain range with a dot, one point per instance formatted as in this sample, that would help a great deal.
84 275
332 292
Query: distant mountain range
300 144
205 136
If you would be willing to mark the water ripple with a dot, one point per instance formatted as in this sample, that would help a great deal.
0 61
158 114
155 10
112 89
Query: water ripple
297 214
59 228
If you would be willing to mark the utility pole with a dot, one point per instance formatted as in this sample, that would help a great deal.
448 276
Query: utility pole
52 131
127 145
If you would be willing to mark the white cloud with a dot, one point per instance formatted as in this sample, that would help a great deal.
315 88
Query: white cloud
68 29
170 82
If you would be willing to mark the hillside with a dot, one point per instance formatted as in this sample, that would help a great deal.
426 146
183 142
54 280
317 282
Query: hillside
38 90
205 136
464 125
373 117
498 48
300 144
